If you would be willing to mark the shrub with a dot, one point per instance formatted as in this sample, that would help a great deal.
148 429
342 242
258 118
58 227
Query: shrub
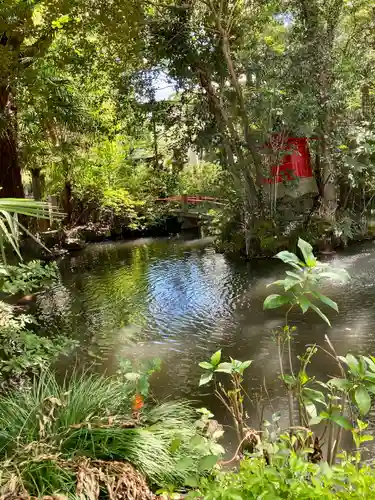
23 352
291 477
27 277
45 431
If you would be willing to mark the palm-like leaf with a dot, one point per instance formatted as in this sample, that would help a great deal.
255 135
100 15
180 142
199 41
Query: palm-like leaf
11 227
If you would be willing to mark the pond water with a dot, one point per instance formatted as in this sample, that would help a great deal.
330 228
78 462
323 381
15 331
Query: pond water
180 301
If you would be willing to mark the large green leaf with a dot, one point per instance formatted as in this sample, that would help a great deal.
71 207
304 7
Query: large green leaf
313 395
352 363
363 399
215 358
290 258
319 312
307 252
342 384
341 421
304 303
274 301
205 378
370 362
327 301
205 365
225 368
295 275
207 462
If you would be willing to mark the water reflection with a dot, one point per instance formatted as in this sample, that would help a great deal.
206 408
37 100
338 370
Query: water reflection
180 301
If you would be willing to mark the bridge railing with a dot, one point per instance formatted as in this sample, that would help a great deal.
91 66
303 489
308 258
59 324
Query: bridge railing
190 200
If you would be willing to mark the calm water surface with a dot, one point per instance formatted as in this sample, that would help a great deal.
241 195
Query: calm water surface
180 301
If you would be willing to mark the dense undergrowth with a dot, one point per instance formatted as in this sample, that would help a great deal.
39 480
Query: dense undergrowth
47 432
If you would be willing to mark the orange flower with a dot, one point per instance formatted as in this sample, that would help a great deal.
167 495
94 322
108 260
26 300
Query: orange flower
138 403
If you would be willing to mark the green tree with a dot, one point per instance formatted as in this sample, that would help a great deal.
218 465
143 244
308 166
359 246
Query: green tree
27 32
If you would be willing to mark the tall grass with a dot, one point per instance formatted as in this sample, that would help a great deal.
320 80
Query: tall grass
45 430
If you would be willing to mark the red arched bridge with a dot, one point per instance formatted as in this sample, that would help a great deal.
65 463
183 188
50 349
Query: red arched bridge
192 209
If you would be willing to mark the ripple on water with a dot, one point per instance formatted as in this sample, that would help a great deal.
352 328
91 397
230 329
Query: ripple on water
181 301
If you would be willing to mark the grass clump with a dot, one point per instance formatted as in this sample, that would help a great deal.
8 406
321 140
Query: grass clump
47 431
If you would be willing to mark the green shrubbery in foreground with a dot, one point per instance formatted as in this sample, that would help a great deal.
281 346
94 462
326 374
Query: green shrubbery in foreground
52 434
304 460
291 477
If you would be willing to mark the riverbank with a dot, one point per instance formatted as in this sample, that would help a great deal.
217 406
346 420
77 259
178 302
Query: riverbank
55 243
98 435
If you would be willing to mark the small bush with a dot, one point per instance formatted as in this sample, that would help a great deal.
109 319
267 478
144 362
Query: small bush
45 431
23 352
292 477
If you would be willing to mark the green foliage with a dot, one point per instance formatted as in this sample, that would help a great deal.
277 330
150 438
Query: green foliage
301 286
27 277
23 352
213 366
139 376
290 476
90 415
201 178
359 383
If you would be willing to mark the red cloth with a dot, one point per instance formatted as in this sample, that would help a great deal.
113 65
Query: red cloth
295 164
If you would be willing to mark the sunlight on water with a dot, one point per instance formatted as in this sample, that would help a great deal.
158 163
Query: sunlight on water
179 301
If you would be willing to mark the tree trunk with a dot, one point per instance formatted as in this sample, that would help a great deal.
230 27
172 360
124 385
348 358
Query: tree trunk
67 201
10 170
37 184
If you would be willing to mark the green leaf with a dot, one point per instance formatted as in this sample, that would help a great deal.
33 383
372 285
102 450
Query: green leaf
319 312
205 365
245 365
288 379
353 364
311 409
342 421
363 400
297 276
361 424
274 301
277 282
304 303
290 283
313 395
342 384
191 481
215 358
336 275
205 378
224 368
370 387
370 362
175 444
207 462
290 258
184 464
307 252
197 440
132 377
327 301
365 438
316 420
